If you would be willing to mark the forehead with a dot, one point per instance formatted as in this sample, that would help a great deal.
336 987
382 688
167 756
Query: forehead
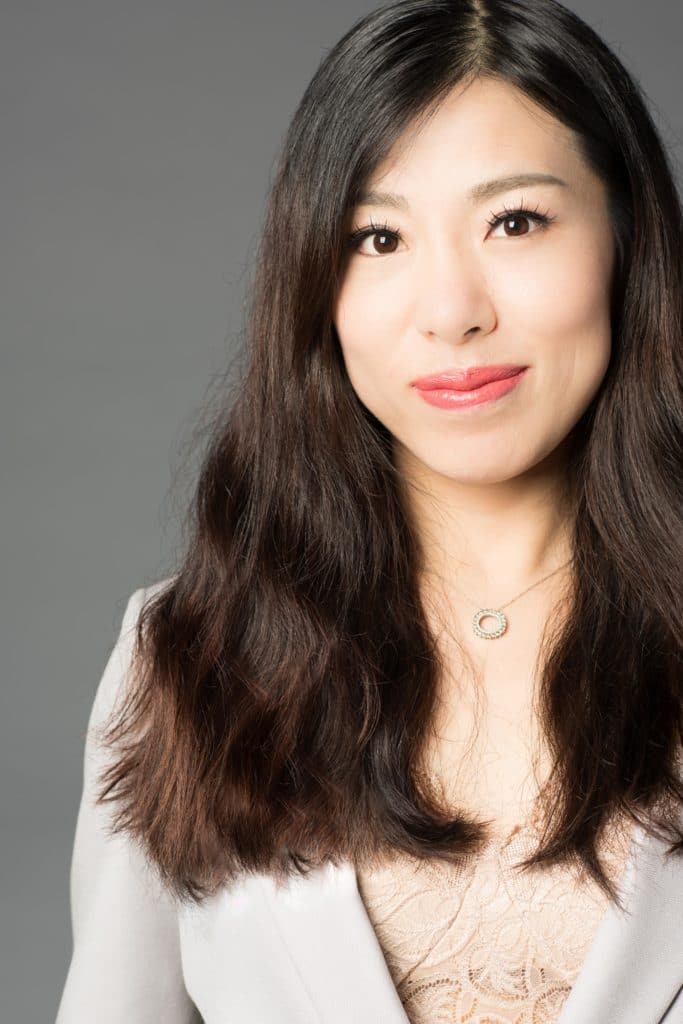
484 129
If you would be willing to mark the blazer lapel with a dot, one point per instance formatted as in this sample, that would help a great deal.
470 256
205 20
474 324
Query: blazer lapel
634 968
327 931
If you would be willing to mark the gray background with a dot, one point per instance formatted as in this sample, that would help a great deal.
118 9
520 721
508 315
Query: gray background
138 145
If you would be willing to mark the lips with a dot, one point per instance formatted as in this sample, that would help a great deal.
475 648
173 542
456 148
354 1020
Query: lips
466 380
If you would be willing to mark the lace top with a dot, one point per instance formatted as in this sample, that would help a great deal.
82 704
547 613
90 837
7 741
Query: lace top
481 943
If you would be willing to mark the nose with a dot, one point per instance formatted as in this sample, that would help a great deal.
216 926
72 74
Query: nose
452 298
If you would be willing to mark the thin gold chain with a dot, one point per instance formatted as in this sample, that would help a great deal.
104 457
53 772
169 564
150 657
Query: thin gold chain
536 584
517 597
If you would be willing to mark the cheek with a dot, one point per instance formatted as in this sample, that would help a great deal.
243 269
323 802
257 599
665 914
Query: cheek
562 309
369 327
369 307
565 287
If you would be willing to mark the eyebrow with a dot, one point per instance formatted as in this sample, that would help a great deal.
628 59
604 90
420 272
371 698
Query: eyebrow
478 193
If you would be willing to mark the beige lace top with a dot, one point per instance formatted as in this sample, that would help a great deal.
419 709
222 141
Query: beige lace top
481 943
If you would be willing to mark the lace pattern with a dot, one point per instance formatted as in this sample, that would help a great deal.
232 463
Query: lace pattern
482 943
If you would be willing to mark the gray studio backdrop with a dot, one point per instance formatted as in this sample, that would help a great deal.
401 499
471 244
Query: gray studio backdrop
138 140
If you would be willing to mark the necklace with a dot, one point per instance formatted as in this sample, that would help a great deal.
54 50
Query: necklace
497 613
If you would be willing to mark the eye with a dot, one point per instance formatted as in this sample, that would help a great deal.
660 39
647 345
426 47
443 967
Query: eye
518 216
386 237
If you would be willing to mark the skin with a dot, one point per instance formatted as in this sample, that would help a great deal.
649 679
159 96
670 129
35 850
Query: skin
484 484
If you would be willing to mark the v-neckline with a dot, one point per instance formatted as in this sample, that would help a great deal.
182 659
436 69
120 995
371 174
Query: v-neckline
641 847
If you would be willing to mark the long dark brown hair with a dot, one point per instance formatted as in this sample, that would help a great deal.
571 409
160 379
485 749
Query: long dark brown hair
285 678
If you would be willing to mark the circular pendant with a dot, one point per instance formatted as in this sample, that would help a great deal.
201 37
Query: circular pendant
496 631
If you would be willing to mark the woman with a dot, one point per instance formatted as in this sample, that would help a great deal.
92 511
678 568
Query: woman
400 739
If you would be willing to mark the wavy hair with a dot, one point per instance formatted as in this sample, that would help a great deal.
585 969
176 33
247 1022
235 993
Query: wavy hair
285 677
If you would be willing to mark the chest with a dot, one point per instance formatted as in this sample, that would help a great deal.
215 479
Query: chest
496 773
487 751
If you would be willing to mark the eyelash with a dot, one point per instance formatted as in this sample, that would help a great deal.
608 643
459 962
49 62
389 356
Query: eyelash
542 219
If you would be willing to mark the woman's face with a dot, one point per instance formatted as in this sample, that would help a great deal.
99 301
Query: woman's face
441 289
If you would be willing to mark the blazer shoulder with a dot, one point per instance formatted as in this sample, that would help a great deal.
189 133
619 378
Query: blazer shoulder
118 905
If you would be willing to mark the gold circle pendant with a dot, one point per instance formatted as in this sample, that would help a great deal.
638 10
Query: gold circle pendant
496 631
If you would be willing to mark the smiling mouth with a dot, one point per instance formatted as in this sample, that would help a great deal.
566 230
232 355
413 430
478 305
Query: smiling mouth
452 398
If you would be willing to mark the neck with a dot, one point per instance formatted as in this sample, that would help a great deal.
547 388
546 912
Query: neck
492 538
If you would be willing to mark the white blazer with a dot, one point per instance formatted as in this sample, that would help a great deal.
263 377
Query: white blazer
307 953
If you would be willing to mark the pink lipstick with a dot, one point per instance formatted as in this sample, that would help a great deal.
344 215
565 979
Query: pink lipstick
457 389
